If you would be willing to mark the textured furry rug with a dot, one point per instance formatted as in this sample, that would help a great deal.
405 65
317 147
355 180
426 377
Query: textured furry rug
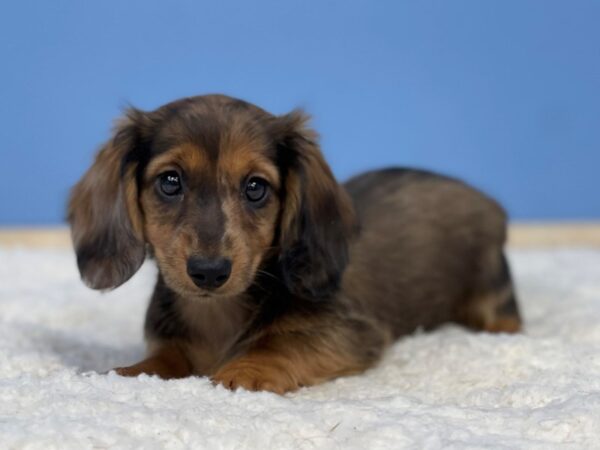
450 388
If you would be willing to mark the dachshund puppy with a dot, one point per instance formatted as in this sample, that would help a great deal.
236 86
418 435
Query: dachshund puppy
273 276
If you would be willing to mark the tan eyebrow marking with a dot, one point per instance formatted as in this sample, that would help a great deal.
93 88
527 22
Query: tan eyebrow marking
245 161
189 157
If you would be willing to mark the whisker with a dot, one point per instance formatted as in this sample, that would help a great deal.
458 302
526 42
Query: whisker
264 272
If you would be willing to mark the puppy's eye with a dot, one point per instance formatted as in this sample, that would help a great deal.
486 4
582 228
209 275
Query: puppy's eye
169 183
256 189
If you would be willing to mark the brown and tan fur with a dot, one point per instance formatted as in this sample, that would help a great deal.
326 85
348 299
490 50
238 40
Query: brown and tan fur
321 277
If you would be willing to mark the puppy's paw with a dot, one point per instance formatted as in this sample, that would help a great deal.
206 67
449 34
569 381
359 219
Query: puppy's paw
256 375
131 371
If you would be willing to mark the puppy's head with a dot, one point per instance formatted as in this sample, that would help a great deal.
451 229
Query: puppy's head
214 188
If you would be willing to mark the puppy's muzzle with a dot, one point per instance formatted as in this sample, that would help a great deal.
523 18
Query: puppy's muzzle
209 273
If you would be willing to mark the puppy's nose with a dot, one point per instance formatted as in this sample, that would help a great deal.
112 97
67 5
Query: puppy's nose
209 273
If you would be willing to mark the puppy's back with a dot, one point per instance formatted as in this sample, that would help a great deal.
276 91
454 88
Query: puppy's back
426 244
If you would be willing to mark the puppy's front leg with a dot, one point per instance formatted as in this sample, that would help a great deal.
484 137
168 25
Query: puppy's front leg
166 360
281 362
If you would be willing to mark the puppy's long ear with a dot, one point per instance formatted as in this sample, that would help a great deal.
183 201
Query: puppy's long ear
105 218
317 219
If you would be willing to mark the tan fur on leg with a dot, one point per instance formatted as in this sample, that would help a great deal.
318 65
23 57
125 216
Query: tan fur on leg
285 362
167 362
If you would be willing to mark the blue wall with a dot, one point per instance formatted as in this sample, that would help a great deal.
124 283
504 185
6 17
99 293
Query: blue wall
505 94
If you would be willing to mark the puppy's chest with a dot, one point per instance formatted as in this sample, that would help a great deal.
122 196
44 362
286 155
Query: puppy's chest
214 329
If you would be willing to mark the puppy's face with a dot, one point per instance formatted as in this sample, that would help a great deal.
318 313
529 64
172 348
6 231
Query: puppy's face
214 187
211 203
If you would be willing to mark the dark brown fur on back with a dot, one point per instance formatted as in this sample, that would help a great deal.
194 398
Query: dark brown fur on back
272 275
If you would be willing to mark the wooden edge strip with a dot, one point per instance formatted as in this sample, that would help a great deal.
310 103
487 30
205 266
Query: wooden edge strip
35 237
521 235
550 234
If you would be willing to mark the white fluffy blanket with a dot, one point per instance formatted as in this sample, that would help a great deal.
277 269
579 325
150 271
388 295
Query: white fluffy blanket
451 388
